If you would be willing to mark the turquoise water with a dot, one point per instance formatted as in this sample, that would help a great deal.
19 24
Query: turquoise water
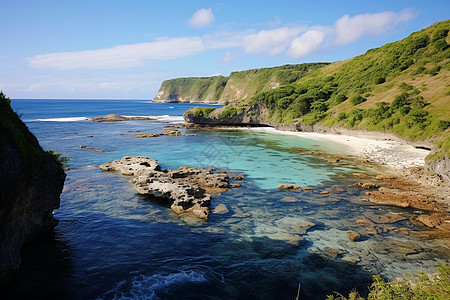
114 244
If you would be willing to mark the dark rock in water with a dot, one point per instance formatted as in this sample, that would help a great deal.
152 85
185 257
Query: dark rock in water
31 182
144 135
353 235
188 189
368 185
119 118
333 252
289 187
91 148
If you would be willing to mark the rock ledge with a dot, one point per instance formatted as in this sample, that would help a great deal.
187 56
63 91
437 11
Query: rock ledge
188 189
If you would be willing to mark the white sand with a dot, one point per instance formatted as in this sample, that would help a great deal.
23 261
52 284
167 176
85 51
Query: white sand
390 153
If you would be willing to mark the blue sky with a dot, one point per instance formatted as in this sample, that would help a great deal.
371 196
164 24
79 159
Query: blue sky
100 49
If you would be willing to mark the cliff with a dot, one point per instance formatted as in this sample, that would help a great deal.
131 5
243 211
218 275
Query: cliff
31 181
239 85
194 89
401 88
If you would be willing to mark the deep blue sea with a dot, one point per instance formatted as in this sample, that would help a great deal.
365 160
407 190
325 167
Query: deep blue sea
111 243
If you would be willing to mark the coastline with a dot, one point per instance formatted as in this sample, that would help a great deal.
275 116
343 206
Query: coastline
369 147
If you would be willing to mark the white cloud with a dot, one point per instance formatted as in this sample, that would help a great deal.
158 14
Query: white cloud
271 42
307 43
202 18
349 29
294 41
125 56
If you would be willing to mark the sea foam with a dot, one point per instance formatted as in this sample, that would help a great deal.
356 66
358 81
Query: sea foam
69 119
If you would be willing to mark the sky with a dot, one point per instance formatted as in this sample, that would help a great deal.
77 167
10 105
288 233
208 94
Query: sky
111 49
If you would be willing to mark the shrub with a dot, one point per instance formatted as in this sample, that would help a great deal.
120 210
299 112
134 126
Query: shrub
228 112
419 286
357 99
380 80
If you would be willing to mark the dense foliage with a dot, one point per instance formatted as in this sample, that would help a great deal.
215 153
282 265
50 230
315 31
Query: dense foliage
414 287
345 93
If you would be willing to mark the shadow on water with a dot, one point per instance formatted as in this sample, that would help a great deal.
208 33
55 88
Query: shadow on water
46 263
156 265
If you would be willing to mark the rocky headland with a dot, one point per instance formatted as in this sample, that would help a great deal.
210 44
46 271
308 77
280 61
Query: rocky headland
31 181
186 189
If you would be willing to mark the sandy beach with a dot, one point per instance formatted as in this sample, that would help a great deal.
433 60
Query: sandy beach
370 147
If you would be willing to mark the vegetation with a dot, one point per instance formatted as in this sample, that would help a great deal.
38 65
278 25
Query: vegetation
62 160
402 88
419 286
13 131
243 84
202 111
396 88
194 88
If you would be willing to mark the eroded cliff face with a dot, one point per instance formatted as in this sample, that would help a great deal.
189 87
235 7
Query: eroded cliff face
441 167
31 182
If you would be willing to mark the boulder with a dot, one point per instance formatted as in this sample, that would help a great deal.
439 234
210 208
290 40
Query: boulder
289 187
368 185
334 253
353 235
187 189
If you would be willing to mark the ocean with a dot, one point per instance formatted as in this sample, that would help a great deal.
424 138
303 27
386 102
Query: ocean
112 243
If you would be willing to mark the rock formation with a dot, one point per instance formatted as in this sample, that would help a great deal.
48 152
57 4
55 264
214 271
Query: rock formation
119 118
31 182
188 189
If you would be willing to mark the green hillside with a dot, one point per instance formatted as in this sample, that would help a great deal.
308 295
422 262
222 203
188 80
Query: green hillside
245 84
193 89
239 85
402 87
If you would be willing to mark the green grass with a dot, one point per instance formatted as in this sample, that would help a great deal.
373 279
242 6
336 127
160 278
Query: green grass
195 88
201 111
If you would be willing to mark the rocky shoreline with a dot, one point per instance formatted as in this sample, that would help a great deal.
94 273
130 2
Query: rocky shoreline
186 189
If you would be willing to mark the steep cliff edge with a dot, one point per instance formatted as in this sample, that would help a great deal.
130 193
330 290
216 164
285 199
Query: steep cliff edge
31 181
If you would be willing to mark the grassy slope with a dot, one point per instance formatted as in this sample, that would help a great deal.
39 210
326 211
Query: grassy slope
193 89
238 85
402 87
245 84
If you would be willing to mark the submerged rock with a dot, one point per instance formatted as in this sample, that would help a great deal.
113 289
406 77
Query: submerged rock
395 248
188 189
221 209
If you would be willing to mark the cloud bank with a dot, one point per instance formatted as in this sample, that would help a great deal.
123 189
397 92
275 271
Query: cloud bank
292 41
133 55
